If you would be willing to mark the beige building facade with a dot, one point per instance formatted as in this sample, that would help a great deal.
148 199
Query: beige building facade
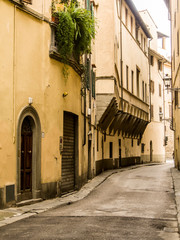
46 141
154 136
122 79
174 16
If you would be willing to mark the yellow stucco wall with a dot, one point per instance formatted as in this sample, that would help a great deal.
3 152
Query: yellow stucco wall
26 70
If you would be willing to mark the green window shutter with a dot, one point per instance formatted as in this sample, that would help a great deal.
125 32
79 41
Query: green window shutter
92 10
88 4
88 73
93 83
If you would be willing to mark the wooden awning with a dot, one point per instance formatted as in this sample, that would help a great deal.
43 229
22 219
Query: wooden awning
130 126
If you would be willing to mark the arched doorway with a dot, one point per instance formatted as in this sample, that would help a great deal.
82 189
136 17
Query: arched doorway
28 155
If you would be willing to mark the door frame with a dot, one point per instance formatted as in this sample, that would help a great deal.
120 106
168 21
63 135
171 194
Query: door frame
36 153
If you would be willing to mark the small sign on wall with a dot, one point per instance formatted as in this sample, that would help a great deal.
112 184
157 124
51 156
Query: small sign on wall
61 144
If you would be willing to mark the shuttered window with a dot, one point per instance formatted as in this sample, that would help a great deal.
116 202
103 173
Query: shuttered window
152 86
152 111
160 90
176 98
88 73
88 4
93 76
110 150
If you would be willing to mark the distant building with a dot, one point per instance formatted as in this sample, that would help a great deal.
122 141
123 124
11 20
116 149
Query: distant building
158 138
122 80
174 16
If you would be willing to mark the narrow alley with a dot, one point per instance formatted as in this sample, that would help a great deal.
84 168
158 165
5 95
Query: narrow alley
135 203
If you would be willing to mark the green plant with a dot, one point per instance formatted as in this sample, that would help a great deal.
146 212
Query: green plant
75 30
84 27
65 34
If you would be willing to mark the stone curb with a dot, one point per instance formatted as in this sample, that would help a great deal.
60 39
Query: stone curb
19 213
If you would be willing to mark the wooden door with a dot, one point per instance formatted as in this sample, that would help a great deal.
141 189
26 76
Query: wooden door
26 156
119 152
151 151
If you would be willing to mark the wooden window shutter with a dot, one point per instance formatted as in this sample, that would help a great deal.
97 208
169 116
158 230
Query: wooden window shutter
152 86
27 1
160 90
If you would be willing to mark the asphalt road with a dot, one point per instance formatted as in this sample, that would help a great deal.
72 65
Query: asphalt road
134 204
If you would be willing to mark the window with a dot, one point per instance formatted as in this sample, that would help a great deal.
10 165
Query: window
88 4
132 143
143 95
142 41
176 98
152 60
159 90
145 92
174 19
152 86
132 81
53 46
131 24
160 66
126 17
137 31
177 5
110 150
144 44
160 114
127 77
93 77
97 140
142 147
178 42
152 111
88 67
137 80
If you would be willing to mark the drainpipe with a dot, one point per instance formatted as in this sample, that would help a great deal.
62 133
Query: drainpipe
14 75
121 65
121 58
164 108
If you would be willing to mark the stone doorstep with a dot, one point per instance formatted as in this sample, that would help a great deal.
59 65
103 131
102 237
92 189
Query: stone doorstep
28 202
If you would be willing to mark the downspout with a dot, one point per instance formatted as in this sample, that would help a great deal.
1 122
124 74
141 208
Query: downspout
121 56
164 109
120 39
14 75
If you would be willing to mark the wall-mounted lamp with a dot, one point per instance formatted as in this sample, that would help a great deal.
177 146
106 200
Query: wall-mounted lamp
65 94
